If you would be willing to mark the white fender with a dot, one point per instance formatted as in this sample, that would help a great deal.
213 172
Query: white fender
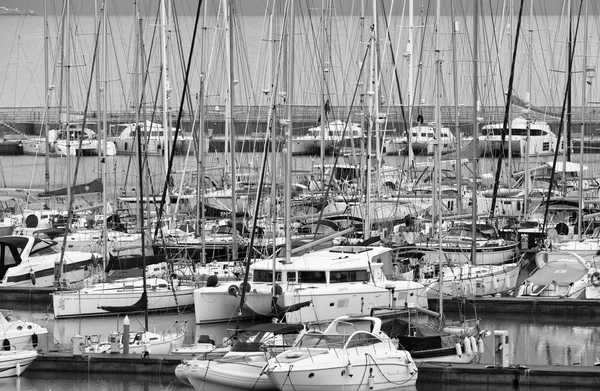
458 350
474 344
507 282
480 346
467 343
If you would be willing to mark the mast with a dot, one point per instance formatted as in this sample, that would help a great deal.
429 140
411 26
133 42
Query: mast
290 99
456 124
230 123
438 158
141 180
47 102
475 125
583 122
323 120
104 136
166 93
200 211
410 97
527 178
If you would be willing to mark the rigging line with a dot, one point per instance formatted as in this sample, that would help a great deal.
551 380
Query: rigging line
337 157
507 112
178 126
71 201
552 173
262 176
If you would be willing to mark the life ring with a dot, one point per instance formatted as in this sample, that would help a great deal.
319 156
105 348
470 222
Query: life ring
145 354
245 286
562 229
233 290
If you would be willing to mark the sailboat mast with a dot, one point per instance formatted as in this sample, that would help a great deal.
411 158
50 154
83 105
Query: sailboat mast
456 123
290 102
47 101
141 178
409 51
229 120
475 125
104 135
323 114
583 104
166 93
438 157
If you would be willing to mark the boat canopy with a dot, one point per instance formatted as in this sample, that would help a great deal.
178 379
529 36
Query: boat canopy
559 272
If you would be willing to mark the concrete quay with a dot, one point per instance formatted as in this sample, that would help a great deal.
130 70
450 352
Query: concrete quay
429 373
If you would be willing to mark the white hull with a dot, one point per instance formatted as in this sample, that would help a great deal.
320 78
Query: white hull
214 305
227 375
468 281
16 334
85 302
15 362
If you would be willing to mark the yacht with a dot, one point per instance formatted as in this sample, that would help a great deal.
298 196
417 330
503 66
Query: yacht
27 261
71 140
538 140
336 134
153 135
316 286
352 353
422 140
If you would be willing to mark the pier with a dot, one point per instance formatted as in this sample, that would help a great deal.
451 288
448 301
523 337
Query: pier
429 373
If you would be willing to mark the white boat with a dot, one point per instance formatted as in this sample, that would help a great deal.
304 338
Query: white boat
337 134
83 142
144 342
15 362
352 353
457 241
562 274
120 296
422 141
541 140
243 366
27 261
153 138
467 280
320 285
17 334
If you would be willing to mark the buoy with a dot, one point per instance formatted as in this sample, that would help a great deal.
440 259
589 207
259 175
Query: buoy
507 283
474 344
480 346
458 350
467 343
371 382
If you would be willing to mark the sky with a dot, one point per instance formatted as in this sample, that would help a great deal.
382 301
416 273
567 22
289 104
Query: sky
257 7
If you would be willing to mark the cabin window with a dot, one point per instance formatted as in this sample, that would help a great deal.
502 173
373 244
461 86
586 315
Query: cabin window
546 146
291 276
348 276
312 277
262 275
362 339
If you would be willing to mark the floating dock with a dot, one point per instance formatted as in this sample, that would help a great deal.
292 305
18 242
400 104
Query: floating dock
429 373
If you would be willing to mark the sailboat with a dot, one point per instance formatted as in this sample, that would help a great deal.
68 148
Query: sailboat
123 295
445 274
